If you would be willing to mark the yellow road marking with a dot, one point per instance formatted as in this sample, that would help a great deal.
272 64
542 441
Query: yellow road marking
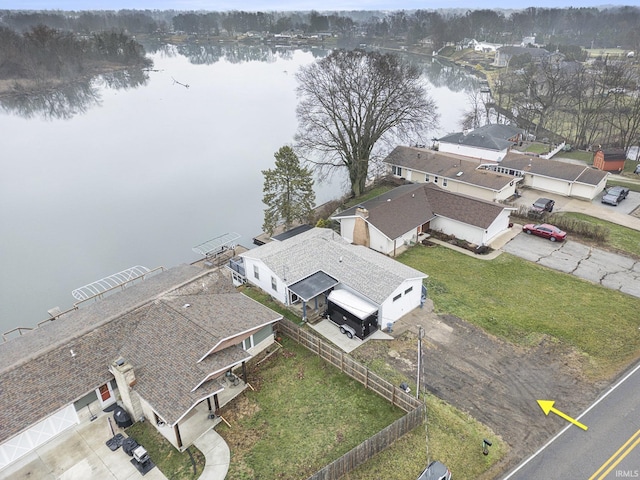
636 437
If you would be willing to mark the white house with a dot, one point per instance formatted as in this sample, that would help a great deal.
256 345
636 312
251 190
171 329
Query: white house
490 142
307 267
554 176
405 214
451 173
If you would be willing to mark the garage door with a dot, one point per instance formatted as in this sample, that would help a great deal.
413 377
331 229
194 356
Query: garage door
37 435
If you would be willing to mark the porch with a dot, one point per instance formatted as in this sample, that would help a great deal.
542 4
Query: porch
197 422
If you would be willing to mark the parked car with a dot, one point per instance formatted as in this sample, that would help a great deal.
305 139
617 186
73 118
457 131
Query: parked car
543 205
615 195
545 230
436 471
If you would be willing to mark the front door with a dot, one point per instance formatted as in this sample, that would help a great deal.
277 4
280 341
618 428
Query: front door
105 395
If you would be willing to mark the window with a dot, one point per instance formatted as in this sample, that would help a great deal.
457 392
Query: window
396 170
397 297
408 290
247 343
256 272
274 284
426 177
435 179
444 182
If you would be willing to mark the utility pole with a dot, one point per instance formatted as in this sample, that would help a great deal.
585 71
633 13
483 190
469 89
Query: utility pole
419 361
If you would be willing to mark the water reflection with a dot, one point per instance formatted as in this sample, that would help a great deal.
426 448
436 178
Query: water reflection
70 99
76 98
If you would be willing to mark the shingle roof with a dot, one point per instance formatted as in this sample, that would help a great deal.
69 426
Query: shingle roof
553 169
447 166
147 325
372 274
426 199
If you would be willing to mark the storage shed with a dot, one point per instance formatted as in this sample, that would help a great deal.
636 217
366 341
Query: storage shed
609 160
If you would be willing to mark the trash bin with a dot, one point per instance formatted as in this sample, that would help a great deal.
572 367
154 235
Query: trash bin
389 327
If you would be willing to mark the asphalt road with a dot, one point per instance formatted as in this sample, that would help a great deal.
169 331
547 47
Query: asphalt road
610 270
608 449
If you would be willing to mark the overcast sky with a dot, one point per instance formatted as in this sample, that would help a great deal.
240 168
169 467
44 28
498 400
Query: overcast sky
284 5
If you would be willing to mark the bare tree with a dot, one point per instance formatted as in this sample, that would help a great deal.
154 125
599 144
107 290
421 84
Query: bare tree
355 103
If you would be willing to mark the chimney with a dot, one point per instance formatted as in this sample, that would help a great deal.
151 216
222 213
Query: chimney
126 379
361 227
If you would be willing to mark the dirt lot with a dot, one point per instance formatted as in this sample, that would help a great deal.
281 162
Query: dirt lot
494 381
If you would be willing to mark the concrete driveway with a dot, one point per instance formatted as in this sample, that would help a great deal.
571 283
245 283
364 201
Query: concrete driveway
610 270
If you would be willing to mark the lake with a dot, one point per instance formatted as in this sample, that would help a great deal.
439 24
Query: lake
137 169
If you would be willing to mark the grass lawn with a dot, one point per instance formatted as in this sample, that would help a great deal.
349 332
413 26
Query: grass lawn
577 155
621 238
455 439
303 414
520 301
174 464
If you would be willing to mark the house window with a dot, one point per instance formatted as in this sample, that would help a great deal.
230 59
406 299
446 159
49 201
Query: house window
426 177
397 297
435 179
396 170
444 182
256 272
274 284
247 343
408 290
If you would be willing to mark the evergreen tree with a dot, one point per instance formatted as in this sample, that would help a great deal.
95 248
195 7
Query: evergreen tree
288 192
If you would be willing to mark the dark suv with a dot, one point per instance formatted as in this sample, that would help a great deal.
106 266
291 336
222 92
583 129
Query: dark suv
543 205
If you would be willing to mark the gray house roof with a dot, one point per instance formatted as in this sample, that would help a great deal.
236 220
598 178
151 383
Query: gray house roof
491 137
149 326
447 166
372 274
426 202
553 169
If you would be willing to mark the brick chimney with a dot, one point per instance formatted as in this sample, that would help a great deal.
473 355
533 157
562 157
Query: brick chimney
361 227
126 379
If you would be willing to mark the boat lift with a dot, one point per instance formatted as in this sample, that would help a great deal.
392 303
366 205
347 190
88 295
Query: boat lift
213 249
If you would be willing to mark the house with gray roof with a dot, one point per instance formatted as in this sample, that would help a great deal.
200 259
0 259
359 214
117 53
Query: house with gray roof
450 172
408 213
161 348
506 53
304 269
490 142
554 176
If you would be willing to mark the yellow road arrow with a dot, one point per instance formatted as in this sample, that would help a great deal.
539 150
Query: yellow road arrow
547 406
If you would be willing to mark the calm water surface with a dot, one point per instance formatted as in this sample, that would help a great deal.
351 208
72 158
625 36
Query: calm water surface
138 175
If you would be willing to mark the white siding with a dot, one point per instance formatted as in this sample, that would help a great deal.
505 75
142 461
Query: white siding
458 229
475 152
391 311
264 282
37 435
552 185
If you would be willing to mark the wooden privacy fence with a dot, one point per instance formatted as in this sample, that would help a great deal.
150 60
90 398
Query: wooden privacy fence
415 408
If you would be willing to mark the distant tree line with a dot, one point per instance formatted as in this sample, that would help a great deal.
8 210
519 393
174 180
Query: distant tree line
44 53
587 27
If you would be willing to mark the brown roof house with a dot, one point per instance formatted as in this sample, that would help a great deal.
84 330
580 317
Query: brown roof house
450 172
554 176
407 213
162 348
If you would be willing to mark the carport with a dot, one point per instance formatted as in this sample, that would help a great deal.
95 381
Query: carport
311 288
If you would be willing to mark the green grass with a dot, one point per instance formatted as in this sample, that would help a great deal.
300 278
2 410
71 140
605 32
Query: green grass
624 239
522 302
577 155
172 463
454 438
303 415
535 148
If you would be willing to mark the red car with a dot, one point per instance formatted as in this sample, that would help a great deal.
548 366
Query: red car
545 230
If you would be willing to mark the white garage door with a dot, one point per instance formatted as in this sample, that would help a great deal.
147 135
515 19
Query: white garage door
40 433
